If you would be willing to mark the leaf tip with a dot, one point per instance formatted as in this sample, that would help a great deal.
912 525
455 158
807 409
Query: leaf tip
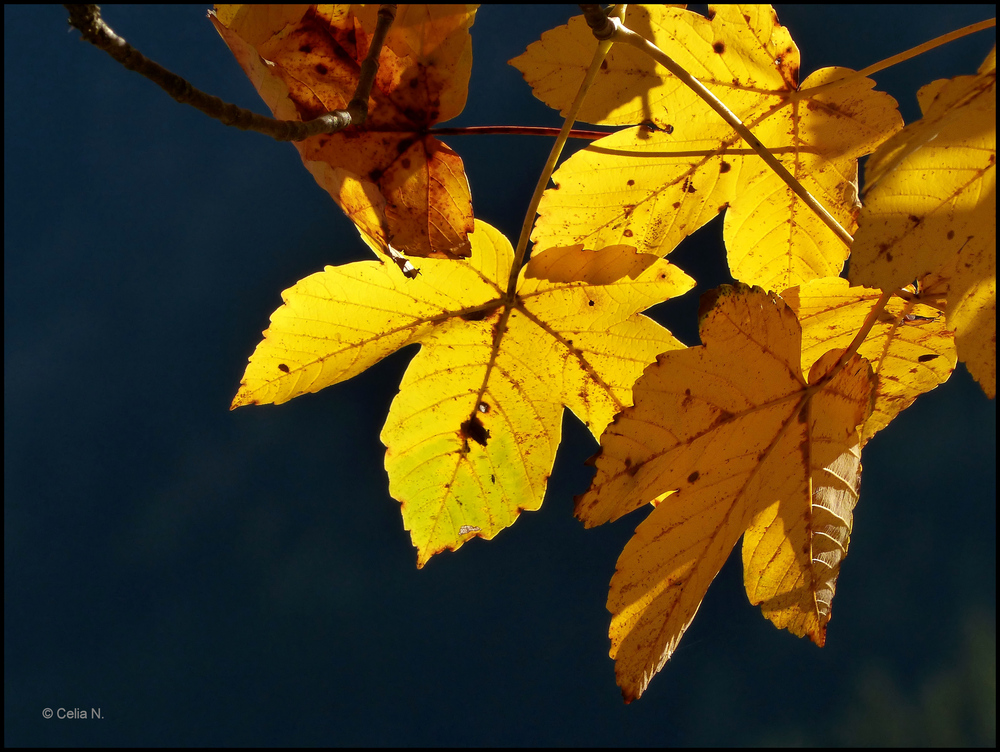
239 400
818 636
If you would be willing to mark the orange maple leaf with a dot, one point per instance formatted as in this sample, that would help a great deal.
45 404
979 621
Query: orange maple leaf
730 438
401 186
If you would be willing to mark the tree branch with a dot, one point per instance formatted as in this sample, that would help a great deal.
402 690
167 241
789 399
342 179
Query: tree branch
87 18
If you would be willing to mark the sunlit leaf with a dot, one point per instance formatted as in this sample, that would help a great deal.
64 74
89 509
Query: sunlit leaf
556 64
653 185
472 435
932 209
792 552
731 427
400 185
910 347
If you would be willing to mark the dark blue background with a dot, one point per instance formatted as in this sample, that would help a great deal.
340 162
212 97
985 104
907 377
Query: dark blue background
208 577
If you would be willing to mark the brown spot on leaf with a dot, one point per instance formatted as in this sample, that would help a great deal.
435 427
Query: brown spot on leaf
627 233
405 163
474 429
306 49
951 234
632 182
282 367
590 302
694 476
473 315
927 357
719 47
725 167
322 69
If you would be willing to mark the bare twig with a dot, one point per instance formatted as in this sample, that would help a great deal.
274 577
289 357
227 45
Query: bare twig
87 18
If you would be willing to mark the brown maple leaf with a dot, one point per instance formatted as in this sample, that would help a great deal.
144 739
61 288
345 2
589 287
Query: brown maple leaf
401 186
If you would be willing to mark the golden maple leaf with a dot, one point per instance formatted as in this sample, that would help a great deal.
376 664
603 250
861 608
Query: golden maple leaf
730 438
931 209
401 186
472 435
653 185
911 348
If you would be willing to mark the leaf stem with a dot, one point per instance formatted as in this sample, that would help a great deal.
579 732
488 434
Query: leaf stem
603 47
852 348
516 130
896 59
626 35
87 18
866 327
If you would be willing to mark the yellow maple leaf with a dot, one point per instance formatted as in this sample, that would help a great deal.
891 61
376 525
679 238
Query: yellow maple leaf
653 185
932 209
792 551
741 441
630 86
401 186
472 435
911 349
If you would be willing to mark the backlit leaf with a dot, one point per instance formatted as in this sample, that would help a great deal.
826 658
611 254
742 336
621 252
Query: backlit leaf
401 186
472 435
910 348
556 64
932 209
653 185
734 429
792 552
